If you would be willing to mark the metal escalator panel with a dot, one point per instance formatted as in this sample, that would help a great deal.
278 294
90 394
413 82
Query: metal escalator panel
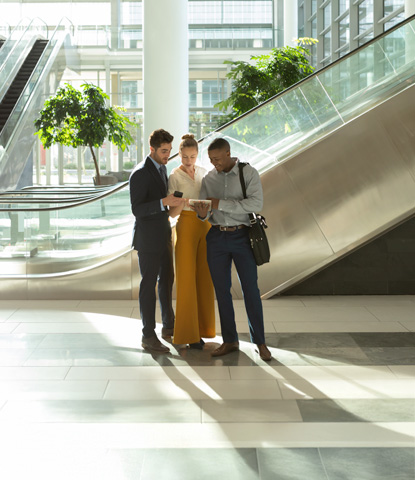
20 81
336 154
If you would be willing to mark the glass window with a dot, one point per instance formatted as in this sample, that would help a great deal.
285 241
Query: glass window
131 13
392 5
343 6
192 93
313 6
394 21
247 11
327 44
314 28
344 31
205 12
129 94
365 15
327 16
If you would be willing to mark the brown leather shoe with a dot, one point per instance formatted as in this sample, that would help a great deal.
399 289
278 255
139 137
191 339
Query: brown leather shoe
225 348
167 333
264 353
154 344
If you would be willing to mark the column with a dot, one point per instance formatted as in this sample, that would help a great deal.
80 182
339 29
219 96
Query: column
165 68
409 8
290 22
115 33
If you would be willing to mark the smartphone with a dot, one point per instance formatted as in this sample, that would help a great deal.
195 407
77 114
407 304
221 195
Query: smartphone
178 194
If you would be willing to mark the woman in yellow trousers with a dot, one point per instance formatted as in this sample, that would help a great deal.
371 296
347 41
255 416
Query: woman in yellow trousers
195 310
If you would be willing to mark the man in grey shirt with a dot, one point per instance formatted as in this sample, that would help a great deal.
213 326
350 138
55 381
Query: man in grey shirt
228 240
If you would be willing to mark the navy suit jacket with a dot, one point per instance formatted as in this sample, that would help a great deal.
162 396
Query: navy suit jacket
152 231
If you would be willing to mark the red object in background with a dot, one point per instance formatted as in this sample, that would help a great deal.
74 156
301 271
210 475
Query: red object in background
42 156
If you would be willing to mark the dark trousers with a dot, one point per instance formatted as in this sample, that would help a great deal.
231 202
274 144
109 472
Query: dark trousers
222 248
156 270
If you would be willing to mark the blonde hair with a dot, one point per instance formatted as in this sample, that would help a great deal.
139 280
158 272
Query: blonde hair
188 140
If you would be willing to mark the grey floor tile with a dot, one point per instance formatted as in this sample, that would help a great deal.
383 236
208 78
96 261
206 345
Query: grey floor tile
390 355
310 340
290 464
250 411
200 464
357 410
101 411
397 339
369 463
332 356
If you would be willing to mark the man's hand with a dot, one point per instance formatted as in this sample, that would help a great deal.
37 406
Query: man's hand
201 208
172 201
215 203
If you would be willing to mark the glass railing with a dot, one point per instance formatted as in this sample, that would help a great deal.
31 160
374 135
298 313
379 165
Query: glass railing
131 37
49 236
303 114
16 48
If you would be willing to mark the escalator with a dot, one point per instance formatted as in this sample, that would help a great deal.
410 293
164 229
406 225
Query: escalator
32 62
336 154
20 81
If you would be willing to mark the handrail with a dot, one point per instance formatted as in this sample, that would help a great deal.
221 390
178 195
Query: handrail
74 204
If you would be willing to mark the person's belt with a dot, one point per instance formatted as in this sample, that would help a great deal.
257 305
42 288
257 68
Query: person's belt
229 229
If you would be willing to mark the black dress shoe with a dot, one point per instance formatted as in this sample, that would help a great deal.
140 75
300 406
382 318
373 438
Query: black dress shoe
167 333
154 344
197 345
225 348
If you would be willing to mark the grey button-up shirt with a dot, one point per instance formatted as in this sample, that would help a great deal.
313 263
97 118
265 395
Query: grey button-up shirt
233 208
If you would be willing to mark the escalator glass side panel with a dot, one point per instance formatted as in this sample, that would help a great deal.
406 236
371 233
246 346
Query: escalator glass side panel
317 106
64 239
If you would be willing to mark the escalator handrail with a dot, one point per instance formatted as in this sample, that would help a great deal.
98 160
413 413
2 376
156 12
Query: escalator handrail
94 198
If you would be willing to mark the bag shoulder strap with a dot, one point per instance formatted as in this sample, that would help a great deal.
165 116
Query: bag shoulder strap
241 166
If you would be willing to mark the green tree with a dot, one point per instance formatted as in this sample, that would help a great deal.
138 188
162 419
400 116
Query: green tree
268 75
74 118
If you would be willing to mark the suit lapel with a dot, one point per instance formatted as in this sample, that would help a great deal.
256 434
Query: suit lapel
157 176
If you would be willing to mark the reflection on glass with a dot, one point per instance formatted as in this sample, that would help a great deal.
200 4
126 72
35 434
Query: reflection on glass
301 115
365 15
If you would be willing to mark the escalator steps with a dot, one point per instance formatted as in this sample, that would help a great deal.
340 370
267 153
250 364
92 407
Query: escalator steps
13 93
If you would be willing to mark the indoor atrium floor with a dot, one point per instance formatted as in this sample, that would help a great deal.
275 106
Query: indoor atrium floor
80 399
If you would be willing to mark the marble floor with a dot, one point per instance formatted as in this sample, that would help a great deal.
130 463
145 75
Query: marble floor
80 399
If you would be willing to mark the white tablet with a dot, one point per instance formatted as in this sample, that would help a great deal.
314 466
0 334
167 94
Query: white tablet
192 202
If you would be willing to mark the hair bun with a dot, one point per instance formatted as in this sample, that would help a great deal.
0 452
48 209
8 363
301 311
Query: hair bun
187 135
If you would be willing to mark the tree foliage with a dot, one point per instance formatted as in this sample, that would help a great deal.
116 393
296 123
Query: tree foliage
268 75
82 118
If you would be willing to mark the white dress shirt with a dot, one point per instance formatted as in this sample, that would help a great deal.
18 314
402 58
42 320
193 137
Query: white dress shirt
182 182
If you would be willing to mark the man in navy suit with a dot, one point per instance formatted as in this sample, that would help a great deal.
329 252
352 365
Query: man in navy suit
152 238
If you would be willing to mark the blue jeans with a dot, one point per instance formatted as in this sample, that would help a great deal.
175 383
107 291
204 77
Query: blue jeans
222 248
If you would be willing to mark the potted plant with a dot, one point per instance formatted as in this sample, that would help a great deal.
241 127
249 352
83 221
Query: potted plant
82 118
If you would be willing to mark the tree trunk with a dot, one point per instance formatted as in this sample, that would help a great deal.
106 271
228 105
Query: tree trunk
96 165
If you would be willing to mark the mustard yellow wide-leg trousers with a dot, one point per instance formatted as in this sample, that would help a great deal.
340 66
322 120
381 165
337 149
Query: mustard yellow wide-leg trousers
195 308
